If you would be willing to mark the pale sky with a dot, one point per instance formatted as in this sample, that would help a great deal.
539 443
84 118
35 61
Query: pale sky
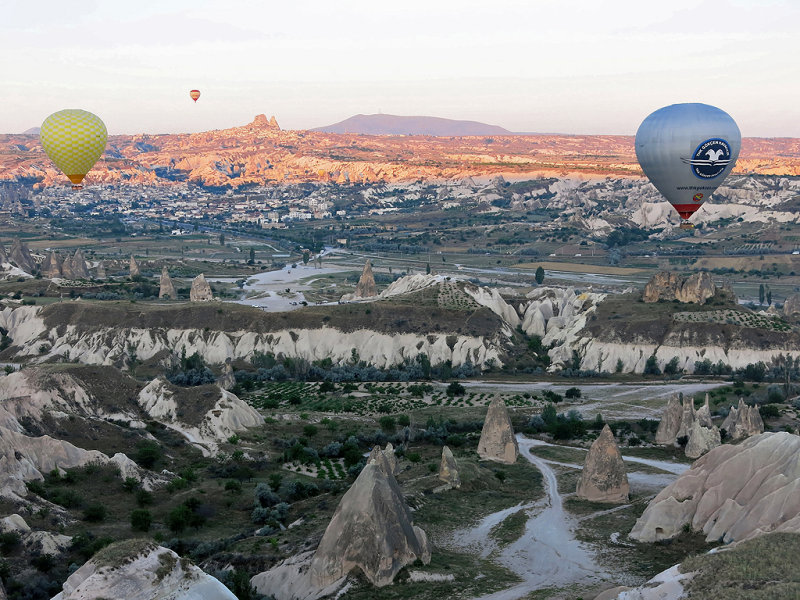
565 66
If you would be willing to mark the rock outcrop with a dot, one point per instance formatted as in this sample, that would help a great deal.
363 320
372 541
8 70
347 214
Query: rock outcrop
791 307
366 283
733 493
603 478
448 469
497 441
385 459
133 268
80 270
681 420
227 380
701 440
51 266
137 569
167 289
201 290
667 285
101 270
743 421
20 255
205 415
3 255
371 531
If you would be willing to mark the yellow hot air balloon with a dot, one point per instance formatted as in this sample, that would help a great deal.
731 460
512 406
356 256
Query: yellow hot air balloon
74 139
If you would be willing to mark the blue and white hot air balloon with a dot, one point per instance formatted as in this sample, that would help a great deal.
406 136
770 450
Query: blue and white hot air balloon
687 151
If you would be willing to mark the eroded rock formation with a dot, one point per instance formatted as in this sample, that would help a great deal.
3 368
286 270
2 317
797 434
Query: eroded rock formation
201 290
448 469
680 420
101 270
133 268
138 569
733 493
743 421
366 283
385 458
167 289
371 531
497 441
791 307
3 255
78 269
20 255
227 380
667 285
603 478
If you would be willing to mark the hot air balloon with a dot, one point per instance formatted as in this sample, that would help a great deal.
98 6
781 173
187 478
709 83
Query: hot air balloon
194 94
74 139
687 151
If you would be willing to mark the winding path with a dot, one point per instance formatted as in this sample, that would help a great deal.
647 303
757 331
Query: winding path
547 554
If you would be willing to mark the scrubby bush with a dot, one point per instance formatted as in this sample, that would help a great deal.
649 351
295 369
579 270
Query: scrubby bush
141 519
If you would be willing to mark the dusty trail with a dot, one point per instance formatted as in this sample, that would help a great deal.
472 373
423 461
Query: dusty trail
547 554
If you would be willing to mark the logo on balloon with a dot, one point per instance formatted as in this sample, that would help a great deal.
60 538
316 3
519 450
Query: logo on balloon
710 158
698 197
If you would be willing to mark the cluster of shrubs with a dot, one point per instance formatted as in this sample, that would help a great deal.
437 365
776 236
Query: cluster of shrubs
561 426
191 371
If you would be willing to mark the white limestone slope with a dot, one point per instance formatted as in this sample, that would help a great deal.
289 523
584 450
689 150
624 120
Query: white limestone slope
146 572
225 417
112 345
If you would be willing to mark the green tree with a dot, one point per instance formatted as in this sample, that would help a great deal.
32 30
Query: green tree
306 257
761 292
455 389
539 275
141 519
221 239
428 269
252 260
651 366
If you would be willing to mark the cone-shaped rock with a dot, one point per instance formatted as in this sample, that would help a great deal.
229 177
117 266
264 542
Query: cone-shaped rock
497 438
670 422
3 255
201 290
2 592
688 416
385 459
78 264
701 440
704 414
227 380
134 268
448 469
743 421
603 478
167 289
101 270
366 283
51 266
371 530
21 256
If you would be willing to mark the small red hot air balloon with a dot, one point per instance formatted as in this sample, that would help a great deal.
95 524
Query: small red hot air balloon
194 94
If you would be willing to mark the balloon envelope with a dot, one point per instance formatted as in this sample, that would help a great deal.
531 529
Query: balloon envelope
687 151
194 94
74 139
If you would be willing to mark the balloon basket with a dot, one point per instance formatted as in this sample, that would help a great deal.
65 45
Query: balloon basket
686 225
77 186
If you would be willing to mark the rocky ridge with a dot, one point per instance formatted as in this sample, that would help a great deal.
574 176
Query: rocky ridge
733 493
667 285
743 421
140 570
681 420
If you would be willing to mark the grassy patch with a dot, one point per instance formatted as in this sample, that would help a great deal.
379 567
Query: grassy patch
510 529
764 568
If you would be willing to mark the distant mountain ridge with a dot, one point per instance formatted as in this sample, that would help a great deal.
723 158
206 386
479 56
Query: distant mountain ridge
381 124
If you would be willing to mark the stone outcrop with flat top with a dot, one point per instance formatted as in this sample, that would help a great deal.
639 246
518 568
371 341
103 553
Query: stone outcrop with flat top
743 421
366 283
666 285
201 290
166 289
448 469
603 478
735 492
497 441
